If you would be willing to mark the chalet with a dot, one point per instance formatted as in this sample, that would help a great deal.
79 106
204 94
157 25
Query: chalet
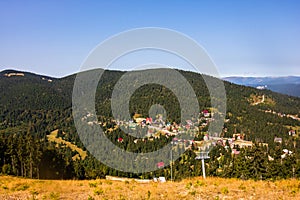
206 137
238 136
175 141
278 140
292 133
160 164
140 120
270 158
90 123
286 153
235 152
149 120
206 113
243 143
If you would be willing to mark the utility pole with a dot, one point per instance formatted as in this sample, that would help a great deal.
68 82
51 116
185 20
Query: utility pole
172 161
202 156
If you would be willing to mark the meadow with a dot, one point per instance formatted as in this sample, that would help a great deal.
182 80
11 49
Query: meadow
194 188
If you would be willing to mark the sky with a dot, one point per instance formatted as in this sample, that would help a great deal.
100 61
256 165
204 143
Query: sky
243 38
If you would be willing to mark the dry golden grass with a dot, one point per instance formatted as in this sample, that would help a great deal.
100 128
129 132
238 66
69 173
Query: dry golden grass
195 188
52 138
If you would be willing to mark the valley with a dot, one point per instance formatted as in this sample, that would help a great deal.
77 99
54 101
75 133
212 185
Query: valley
260 126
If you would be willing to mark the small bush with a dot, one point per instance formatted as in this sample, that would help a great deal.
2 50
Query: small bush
54 196
242 187
294 190
93 185
109 182
22 187
98 192
34 193
5 187
224 190
91 198
200 183
193 193
189 185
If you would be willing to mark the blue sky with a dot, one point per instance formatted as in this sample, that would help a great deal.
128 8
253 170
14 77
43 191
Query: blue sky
249 37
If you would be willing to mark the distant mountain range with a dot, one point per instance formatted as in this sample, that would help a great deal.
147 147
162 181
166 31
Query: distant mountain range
289 85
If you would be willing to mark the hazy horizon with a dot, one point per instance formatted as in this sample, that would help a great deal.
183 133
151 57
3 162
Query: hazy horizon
223 77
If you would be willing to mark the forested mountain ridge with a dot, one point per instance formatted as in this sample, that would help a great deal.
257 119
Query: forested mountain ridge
32 106
286 84
34 90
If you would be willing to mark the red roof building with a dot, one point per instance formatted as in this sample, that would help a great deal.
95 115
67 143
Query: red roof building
160 164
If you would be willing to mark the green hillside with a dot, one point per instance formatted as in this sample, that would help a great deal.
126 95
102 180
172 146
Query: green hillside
32 106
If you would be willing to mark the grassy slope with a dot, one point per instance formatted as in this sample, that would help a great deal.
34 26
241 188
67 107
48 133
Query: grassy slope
52 137
196 188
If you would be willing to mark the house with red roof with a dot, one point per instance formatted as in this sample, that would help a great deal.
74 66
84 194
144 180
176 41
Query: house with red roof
206 113
160 164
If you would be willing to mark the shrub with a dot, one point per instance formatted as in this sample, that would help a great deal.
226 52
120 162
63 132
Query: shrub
5 187
242 187
34 193
224 190
98 192
22 187
93 184
148 194
193 193
200 183
54 196
189 185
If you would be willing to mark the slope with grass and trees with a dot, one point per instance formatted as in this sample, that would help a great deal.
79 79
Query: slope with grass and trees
32 107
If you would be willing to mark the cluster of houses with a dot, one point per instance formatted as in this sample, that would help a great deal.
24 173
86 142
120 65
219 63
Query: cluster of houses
291 132
295 117
235 143
157 127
